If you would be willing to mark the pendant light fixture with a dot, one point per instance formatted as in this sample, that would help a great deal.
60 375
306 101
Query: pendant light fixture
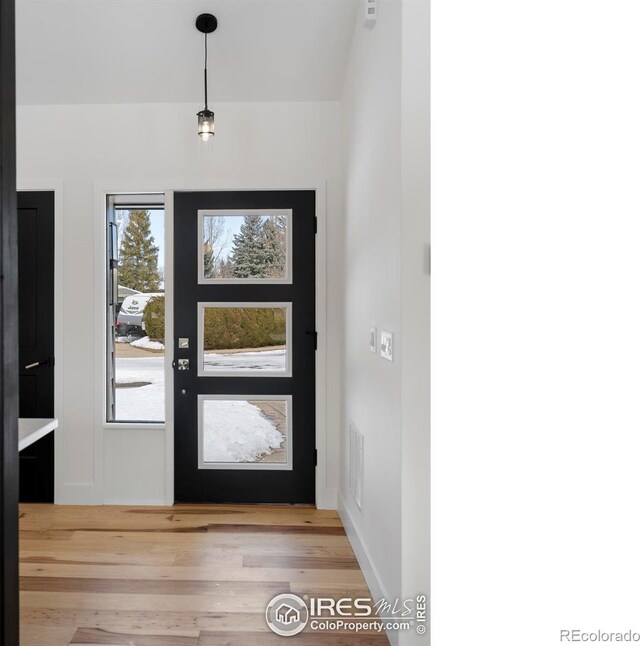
206 24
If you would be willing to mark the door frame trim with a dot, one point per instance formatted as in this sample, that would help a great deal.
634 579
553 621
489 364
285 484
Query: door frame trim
9 597
325 496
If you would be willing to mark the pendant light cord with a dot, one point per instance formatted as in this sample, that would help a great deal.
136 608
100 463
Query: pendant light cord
206 104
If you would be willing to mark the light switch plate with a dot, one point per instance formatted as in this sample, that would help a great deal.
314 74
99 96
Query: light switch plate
373 339
370 12
386 345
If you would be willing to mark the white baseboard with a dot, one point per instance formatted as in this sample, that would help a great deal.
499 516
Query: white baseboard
76 494
136 502
85 494
327 499
369 570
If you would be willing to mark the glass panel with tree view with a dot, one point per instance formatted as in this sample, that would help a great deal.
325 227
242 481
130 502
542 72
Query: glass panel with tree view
245 247
139 325
244 339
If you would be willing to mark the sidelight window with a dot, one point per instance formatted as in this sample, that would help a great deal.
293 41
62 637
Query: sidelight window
135 309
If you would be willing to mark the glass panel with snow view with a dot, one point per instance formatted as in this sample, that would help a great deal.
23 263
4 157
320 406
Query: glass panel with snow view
243 430
244 246
138 328
239 339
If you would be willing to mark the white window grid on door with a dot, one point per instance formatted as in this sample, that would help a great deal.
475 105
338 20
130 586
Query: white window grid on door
250 372
288 277
272 466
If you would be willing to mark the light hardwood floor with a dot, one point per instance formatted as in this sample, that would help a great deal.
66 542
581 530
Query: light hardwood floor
178 576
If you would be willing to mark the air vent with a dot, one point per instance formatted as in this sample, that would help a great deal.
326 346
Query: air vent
355 474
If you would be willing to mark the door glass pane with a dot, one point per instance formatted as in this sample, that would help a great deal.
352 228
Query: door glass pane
244 431
244 246
244 339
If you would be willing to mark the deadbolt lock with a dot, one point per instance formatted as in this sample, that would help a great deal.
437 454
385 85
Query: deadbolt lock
183 364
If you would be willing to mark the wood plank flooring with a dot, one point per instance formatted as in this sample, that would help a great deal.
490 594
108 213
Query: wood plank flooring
196 575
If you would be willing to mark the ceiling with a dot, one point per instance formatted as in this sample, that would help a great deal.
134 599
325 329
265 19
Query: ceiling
149 51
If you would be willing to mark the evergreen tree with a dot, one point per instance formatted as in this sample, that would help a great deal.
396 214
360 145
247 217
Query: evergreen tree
225 269
249 254
281 228
138 267
274 244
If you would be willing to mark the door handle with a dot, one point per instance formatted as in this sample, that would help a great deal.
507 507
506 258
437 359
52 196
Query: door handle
37 364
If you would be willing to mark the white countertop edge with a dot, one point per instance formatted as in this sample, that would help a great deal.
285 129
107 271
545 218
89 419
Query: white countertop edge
31 429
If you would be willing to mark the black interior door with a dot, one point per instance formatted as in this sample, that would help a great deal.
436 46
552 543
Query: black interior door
36 312
244 347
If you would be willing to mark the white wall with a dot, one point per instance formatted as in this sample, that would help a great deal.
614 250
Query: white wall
81 147
385 128
372 279
415 377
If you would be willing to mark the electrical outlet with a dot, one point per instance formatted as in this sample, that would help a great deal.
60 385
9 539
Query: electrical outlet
386 345
373 339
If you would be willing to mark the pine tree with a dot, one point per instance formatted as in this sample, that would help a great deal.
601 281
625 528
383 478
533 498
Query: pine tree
138 267
225 269
249 255
274 247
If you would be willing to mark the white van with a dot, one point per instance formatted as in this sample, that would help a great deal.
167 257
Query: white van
129 322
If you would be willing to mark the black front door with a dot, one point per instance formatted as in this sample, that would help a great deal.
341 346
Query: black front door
36 312
244 347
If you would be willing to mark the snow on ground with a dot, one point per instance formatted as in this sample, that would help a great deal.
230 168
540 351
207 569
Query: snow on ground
142 403
267 360
146 342
237 431
234 430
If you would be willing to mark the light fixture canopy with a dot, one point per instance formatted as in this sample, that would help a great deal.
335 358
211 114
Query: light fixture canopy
206 23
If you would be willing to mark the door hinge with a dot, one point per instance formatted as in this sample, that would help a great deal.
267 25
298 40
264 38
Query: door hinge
315 339
315 224
315 457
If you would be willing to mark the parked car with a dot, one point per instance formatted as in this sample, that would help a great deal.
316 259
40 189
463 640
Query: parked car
129 321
